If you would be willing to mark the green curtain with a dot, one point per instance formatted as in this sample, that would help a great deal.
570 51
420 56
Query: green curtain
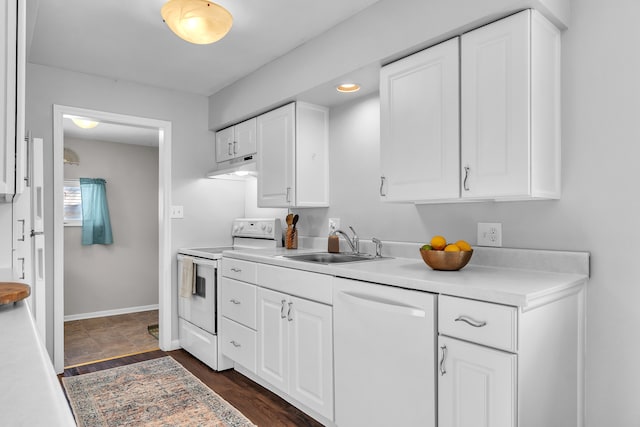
96 225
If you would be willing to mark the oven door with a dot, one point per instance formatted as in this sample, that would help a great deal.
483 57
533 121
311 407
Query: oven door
199 309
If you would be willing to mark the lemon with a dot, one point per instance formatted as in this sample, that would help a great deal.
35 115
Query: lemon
452 248
438 243
463 245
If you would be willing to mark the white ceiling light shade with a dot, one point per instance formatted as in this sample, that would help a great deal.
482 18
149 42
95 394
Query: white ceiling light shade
84 123
197 21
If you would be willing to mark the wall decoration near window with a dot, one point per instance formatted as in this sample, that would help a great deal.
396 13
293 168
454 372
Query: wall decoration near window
96 224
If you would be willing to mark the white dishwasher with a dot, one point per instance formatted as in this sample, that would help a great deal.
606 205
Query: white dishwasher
384 355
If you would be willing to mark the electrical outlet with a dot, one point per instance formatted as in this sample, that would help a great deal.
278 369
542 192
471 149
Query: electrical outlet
177 211
490 234
334 224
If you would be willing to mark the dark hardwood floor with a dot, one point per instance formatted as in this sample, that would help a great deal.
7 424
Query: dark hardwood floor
261 406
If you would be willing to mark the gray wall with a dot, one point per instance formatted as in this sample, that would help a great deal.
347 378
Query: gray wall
125 274
209 205
598 212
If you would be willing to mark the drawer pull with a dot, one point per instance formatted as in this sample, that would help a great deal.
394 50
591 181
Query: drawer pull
470 321
236 270
235 344
234 301
282 315
442 359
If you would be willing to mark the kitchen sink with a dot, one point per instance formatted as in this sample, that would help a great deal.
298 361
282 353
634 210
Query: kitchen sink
331 258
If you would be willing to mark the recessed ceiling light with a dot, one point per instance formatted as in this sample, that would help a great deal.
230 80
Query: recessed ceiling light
348 87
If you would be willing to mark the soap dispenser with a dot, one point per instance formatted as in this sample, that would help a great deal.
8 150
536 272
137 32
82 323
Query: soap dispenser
333 245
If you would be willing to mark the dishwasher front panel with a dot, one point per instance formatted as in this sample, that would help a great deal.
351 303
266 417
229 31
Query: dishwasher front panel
385 350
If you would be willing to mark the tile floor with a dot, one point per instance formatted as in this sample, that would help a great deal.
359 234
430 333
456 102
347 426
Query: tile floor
102 338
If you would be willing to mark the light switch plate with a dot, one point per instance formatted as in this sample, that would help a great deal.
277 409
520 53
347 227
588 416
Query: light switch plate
177 211
490 234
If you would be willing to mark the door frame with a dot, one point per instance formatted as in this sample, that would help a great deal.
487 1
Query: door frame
164 223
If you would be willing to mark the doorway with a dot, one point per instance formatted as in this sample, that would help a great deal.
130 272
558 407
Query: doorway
163 129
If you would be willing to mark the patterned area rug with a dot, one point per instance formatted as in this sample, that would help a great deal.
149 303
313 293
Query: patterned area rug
158 392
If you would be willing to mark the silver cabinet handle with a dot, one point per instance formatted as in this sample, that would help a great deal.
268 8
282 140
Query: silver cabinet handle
21 239
469 321
382 181
442 359
466 177
22 276
234 301
235 344
236 270
288 194
229 149
235 147
289 318
282 315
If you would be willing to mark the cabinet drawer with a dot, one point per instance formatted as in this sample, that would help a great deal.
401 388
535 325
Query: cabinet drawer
313 286
240 270
238 301
485 323
238 343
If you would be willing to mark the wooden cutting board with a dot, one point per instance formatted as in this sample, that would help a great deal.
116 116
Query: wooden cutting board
12 292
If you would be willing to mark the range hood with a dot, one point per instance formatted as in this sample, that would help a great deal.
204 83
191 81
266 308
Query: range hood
239 170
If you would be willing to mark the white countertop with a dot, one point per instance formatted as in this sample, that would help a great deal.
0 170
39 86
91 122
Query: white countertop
524 283
30 393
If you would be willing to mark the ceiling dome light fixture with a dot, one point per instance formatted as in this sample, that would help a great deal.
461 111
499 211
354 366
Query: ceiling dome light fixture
348 87
197 21
84 123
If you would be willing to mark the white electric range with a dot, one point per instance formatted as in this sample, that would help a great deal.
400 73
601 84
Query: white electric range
198 286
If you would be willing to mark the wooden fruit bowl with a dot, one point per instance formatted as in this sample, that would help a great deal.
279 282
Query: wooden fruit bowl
447 261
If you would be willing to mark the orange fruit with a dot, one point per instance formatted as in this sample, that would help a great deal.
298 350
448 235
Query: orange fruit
452 248
438 243
463 245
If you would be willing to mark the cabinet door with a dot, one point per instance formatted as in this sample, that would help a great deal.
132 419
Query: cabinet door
276 157
224 144
311 355
273 339
312 156
496 109
420 137
476 385
8 62
244 138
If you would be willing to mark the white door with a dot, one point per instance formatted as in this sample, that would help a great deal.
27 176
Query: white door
276 157
495 108
476 385
273 337
245 138
224 144
311 355
384 346
37 234
420 136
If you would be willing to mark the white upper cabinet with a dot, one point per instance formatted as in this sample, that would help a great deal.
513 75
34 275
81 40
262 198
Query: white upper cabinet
510 108
420 125
475 117
293 157
11 93
236 141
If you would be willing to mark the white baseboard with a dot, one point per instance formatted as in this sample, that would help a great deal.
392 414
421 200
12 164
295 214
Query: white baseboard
115 312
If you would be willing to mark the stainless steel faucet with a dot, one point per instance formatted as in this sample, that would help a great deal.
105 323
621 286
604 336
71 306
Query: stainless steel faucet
354 243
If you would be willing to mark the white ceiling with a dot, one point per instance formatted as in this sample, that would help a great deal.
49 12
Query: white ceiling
113 132
127 39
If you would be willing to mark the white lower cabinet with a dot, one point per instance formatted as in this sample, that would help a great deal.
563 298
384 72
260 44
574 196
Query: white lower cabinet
295 350
476 385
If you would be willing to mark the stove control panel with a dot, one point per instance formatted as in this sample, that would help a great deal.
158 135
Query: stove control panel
260 228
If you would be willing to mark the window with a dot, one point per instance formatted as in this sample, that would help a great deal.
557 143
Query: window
72 203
